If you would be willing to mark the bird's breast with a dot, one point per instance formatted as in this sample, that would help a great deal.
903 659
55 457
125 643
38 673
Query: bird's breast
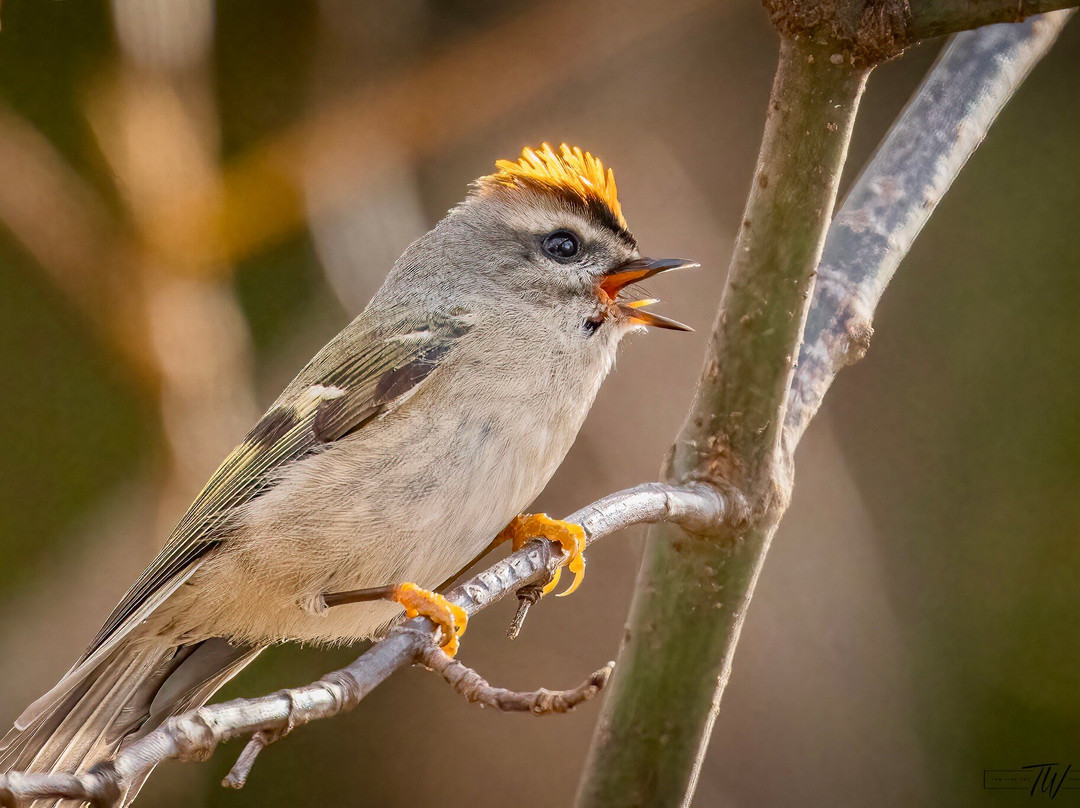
415 495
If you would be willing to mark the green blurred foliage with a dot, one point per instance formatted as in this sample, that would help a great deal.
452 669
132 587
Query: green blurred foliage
48 52
275 288
261 74
73 423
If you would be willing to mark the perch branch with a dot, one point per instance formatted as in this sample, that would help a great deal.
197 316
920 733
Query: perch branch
465 681
196 734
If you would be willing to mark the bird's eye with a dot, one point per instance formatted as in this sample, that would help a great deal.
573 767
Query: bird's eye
561 245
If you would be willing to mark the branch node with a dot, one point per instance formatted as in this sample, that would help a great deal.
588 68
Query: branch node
194 737
342 688
103 788
868 33
859 332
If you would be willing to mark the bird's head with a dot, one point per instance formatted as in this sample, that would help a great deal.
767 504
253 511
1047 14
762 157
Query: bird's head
547 230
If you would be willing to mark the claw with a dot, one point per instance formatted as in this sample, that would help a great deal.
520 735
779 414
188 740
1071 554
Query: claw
451 618
576 565
554 582
570 536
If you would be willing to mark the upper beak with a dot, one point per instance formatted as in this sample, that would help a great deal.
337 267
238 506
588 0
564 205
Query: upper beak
638 270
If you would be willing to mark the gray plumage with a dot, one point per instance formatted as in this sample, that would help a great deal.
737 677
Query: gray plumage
397 454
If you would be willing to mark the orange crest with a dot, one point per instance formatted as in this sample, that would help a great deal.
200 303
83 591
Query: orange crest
570 171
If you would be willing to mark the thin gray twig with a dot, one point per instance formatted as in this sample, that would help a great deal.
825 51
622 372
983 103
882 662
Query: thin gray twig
476 689
898 190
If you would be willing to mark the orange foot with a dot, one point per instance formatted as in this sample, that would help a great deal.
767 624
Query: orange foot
450 618
539 525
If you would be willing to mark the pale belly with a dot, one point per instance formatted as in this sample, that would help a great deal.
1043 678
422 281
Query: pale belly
407 498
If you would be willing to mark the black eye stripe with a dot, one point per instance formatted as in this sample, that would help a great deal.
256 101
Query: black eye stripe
561 245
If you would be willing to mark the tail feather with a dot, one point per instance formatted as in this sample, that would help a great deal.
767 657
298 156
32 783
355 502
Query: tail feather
131 692
95 657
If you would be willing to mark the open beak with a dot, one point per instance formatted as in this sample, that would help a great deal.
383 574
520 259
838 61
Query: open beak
638 270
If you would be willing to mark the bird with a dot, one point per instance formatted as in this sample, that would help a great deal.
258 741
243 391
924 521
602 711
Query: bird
406 448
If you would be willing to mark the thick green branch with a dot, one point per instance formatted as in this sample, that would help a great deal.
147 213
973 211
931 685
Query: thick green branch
693 590
931 18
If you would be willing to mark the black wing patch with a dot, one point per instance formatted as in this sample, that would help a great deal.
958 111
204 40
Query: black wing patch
338 417
272 427
399 381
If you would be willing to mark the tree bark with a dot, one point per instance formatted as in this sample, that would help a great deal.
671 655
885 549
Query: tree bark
693 589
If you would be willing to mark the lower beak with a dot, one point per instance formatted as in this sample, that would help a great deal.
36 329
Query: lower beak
638 270
633 311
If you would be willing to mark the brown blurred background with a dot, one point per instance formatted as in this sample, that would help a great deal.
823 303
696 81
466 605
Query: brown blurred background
194 198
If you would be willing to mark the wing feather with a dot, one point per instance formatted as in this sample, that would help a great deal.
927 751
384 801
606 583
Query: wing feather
349 383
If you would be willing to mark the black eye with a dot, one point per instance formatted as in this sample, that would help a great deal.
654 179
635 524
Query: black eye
561 245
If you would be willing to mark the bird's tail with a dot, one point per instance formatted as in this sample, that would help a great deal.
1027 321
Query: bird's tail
131 692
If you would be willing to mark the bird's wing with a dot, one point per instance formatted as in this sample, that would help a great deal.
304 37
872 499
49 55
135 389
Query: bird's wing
347 385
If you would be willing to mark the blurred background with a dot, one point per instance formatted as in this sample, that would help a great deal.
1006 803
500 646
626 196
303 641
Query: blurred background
193 198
